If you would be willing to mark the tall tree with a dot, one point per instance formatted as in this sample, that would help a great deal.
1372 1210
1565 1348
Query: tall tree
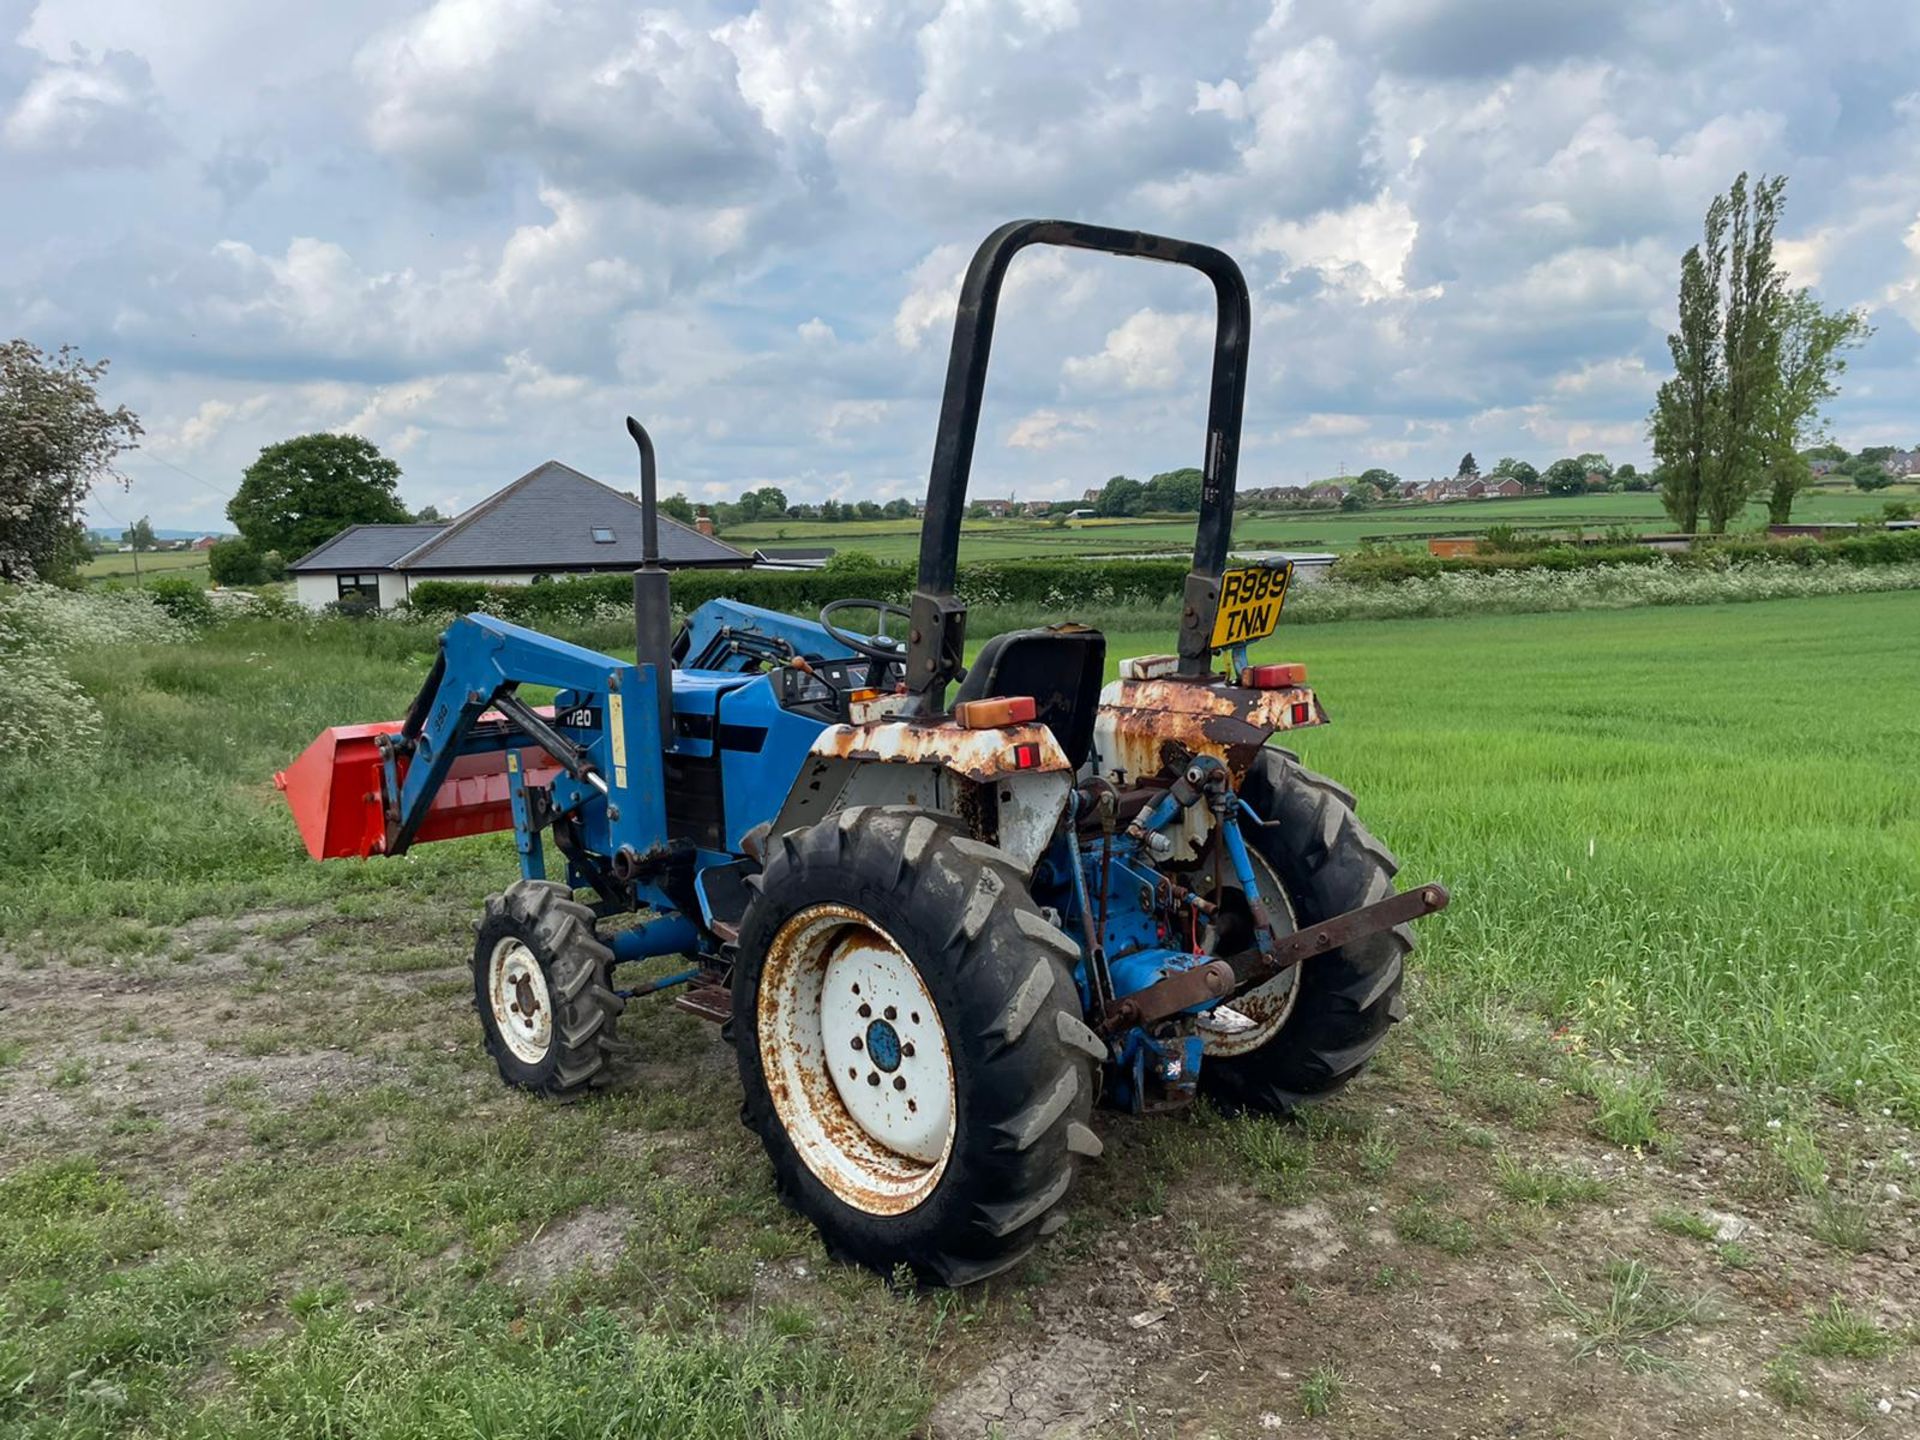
57 441
1512 469
1566 476
305 491
1687 408
1750 346
1122 495
1469 468
139 535
1811 361
1175 490
429 515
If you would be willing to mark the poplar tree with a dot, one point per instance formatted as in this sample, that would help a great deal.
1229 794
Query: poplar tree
1751 349
1687 409
1716 424
1812 340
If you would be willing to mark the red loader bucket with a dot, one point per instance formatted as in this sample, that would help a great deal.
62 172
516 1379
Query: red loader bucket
335 790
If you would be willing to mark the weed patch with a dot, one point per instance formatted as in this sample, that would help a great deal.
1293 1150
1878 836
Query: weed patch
1636 1308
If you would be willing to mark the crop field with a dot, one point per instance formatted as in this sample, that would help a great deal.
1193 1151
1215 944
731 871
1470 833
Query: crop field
1641 1161
120 565
1313 530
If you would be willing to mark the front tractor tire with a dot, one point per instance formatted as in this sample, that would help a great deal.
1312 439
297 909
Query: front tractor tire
1328 863
911 1045
540 983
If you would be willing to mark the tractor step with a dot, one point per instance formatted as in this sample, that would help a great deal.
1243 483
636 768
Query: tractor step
708 1001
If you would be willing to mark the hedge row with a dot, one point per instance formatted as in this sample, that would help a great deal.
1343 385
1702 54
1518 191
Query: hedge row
1067 586
1386 567
1051 583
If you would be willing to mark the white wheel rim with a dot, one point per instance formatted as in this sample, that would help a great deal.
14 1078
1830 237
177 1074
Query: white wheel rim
1269 1006
856 1059
517 992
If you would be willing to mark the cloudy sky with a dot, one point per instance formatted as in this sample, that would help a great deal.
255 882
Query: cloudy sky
482 231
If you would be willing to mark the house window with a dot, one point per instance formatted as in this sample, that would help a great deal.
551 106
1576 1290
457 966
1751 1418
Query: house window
359 589
602 535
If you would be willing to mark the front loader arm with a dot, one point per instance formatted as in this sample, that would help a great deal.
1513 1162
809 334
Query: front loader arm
469 749
482 663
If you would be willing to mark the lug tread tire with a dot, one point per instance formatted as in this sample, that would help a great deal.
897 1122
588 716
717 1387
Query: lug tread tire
1330 863
544 916
1024 1082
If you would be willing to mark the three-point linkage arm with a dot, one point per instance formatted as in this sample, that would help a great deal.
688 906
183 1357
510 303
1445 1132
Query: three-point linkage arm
604 736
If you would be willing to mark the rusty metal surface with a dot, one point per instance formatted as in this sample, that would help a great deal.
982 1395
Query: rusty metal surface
1327 935
1146 727
804 1095
976 754
1205 982
1170 996
709 1002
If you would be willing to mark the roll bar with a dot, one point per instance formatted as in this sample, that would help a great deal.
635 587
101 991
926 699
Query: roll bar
938 635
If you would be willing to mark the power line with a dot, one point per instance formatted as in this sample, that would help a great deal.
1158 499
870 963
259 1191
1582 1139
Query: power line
182 470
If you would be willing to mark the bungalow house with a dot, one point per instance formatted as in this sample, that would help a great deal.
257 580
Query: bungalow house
1903 462
552 521
1505 488
998 509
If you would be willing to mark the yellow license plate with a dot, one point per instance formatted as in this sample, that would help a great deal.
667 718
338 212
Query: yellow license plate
1250 601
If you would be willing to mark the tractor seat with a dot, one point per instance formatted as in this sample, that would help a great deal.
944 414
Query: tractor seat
1061 667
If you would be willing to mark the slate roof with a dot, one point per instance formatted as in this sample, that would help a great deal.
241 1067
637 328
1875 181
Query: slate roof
366 547
545 520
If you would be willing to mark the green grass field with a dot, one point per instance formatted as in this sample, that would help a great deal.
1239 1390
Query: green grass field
257 1179
120 565
1651 815
1318 530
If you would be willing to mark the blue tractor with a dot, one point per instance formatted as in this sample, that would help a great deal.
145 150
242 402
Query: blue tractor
939 908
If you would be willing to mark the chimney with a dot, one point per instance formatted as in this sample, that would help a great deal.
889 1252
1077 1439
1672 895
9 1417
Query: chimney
704 524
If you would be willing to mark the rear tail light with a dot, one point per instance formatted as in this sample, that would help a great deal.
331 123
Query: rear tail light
1026 756
1302 713
1273 677
992 714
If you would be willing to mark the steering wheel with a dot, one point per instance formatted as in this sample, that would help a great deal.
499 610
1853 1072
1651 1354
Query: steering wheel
878 646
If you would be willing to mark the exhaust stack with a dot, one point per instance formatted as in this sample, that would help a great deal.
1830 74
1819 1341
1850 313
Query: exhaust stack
652 602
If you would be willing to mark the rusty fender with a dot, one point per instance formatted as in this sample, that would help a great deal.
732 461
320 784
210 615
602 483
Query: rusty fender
973 754
1148 726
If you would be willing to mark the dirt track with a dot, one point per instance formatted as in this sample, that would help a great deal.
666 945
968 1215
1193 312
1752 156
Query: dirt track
1443 1256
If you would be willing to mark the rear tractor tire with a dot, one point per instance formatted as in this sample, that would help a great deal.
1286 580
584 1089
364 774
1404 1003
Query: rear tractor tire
540 983
1328 863
911 1045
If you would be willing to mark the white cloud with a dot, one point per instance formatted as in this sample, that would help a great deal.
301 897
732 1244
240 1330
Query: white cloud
487 229
1328 426
1620 375
599 95
932 287
89 110
1149 350
1361 250
1049 429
